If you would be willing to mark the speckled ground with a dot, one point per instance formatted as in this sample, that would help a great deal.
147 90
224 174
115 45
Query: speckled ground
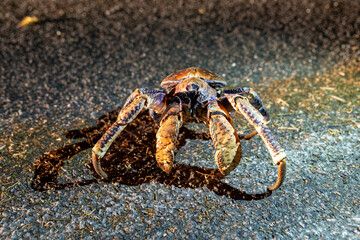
83 59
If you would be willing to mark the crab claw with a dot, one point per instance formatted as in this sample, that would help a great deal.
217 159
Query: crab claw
166 138
225 139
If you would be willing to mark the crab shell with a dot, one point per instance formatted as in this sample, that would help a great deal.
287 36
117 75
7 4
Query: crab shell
178 77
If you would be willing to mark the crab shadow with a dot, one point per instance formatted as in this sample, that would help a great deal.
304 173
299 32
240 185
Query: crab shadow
131 160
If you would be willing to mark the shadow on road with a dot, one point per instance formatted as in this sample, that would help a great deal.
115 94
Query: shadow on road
131 160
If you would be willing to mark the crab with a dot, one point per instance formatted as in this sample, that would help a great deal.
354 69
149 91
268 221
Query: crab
196 95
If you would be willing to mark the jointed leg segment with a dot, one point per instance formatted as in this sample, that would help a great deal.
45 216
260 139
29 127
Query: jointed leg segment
138 101
166 138
225 139
278 155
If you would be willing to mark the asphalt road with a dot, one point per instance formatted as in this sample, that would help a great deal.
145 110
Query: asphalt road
82 59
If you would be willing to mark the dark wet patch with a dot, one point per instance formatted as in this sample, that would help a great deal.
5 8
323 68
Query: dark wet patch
131 160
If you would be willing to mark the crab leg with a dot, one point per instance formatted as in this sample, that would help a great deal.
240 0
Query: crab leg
255 100
224 137
277 153
139 100
166 138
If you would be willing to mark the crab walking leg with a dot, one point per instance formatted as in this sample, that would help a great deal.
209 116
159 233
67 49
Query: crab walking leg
166 138
253 98
126 115
249 136
257 120
225 139
255 101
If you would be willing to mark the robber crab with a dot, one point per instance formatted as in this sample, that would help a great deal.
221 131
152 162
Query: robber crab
195 94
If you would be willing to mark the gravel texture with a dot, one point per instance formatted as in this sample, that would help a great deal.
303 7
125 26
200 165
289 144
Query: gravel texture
83 58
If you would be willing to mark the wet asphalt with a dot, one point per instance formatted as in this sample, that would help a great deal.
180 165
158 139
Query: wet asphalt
83 58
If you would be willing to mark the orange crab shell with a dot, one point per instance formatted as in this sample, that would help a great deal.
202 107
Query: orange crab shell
175 78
